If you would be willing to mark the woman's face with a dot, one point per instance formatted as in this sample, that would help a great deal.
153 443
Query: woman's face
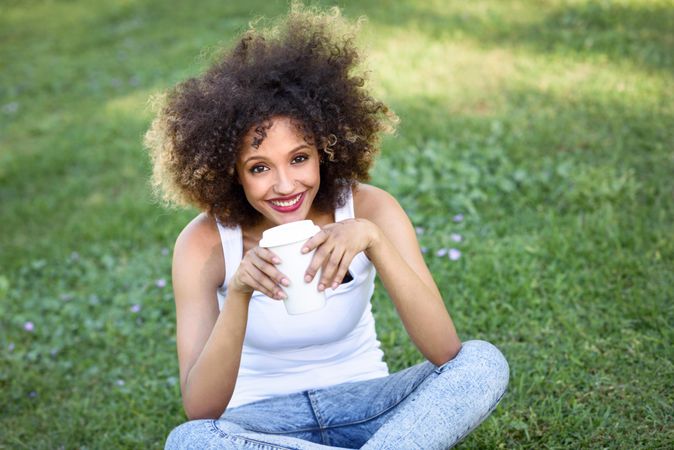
281 176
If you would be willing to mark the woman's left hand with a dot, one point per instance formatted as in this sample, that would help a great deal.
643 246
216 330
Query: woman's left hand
336 245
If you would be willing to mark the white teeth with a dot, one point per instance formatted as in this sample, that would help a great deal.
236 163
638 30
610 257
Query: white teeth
288 203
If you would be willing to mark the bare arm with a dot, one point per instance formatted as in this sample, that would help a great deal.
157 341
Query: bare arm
210 341
384 232
396 255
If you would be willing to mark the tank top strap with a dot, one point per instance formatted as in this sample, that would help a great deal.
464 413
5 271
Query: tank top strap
346 211
232 248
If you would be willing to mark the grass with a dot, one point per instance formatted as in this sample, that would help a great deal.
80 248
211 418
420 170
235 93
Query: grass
547 125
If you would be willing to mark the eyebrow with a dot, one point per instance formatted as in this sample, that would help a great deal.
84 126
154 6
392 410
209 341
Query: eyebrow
254 157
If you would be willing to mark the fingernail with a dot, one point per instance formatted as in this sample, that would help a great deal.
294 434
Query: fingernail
275 260
307 278
335 285
305 249
321 287
285 282
282 295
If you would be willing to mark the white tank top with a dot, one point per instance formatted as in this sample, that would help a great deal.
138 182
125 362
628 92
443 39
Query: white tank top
283 354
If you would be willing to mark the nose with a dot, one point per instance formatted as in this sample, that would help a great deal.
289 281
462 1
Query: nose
284 183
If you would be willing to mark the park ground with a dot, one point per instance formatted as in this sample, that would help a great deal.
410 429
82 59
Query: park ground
534 155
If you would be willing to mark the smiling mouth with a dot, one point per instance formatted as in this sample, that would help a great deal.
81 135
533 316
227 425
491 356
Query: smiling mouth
289 204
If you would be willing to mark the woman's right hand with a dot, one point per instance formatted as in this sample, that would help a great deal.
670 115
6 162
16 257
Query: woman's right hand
258 271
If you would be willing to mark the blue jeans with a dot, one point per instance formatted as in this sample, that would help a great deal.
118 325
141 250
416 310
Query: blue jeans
423 407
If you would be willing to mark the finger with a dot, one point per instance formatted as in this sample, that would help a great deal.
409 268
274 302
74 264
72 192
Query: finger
267 255
317 262
315 241
341 271
330 269
269 269
259 281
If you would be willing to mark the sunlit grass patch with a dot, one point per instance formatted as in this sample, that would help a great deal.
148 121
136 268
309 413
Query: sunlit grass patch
465 79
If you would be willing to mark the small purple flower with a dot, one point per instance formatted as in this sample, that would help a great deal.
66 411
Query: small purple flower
424 249
66 297
135 308
442 252
164 251
54 352
456 237
32 394
119 382
160 283
10 108
10 347
29 326
419 230
454 254
74 256
458 218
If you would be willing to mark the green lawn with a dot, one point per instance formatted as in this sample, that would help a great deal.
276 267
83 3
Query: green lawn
546 125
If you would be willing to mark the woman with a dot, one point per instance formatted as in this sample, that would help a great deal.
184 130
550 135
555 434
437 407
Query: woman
280 130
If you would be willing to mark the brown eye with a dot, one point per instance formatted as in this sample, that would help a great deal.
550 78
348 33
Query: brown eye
257 169
299 159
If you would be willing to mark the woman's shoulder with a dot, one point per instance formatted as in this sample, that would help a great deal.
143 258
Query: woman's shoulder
199 243
371 202
199 231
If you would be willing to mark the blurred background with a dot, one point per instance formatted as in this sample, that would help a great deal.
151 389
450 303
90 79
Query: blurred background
534 156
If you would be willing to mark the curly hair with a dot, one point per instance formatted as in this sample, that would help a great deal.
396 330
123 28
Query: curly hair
304 69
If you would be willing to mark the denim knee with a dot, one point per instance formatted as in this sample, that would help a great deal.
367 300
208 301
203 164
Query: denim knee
188 434
486 363
494 364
